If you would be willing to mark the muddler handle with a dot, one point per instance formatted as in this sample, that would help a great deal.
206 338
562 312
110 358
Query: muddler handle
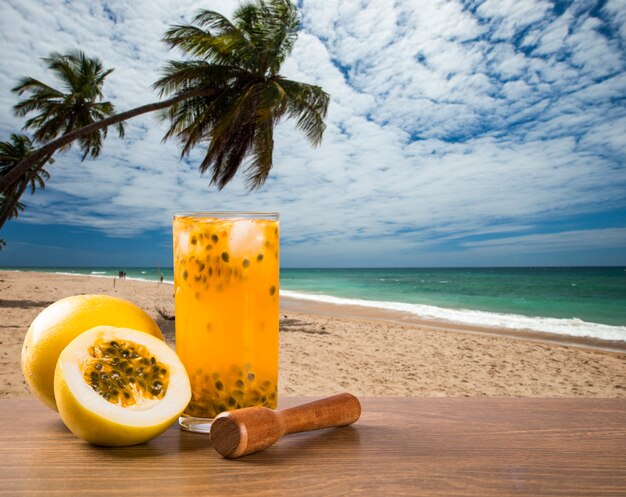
244 431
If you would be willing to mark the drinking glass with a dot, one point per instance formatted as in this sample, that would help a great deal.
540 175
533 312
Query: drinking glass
226 268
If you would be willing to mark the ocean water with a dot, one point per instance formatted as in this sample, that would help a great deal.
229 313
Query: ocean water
578 301
581 301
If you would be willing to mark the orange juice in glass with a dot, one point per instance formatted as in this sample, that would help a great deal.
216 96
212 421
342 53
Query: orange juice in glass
226 305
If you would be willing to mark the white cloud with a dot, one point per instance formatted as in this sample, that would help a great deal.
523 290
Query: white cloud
616 13
508 17
446 122
555 242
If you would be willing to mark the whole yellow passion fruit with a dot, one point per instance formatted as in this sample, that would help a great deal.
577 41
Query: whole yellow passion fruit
58 324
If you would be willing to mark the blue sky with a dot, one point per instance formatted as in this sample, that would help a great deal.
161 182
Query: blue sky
459 134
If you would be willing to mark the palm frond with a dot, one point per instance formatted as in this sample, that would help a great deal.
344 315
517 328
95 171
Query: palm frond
261 161
12 152
196 42
231 136
225 157
35 86
121 130
272 27
64 67
181 76
190 120
12 205
308 104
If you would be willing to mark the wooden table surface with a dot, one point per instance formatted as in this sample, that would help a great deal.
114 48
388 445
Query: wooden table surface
400 446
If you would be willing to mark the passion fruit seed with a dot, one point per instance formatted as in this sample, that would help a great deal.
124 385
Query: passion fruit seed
109 376
214 393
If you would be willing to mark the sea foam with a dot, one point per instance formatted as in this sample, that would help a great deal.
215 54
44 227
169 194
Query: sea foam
573 326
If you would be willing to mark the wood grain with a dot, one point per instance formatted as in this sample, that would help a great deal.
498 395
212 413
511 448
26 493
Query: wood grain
400 446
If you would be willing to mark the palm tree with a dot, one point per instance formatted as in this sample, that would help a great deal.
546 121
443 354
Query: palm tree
241 60
60 112
77 105
228 94
11 153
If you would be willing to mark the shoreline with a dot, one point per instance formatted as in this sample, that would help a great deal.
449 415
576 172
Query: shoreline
326 349
411 320
369 310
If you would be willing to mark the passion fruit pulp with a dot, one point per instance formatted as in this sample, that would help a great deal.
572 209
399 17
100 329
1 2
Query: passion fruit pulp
125 373
118 386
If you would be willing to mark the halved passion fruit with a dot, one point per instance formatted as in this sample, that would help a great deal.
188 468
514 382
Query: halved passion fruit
117 386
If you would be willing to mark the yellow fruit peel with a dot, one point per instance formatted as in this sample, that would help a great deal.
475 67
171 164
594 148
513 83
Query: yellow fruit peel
57 325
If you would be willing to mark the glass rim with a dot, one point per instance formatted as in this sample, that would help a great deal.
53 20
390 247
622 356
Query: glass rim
228 215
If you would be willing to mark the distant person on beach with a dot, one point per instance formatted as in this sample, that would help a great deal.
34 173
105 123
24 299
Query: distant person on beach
161 279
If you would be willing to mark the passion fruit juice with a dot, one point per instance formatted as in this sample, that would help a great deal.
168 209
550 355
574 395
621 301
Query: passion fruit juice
226 270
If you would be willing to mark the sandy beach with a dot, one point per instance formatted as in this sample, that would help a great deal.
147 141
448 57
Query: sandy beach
326 349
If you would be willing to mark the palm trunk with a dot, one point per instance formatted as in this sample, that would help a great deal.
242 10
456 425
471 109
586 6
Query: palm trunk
7 180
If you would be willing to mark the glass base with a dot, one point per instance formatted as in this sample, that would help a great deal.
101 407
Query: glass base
195 425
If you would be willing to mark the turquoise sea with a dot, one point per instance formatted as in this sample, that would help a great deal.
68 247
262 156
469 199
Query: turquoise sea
581 301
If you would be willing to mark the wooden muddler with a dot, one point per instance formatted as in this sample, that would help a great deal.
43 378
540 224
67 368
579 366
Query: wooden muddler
244 431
